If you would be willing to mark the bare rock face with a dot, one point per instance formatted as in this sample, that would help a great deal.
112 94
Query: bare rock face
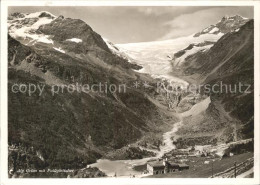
45 14
16 15
63 29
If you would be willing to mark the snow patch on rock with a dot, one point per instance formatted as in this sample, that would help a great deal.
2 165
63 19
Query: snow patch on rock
194 50
59 49
74 40
116 50
214 30
111 46
237 30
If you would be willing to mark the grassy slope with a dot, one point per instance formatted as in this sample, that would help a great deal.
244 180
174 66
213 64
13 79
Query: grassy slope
72 130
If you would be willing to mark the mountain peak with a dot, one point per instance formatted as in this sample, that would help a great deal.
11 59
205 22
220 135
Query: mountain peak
18 15
232 18
23 26
225 25
46 14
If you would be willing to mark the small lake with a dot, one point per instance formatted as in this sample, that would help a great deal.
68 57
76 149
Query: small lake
124 168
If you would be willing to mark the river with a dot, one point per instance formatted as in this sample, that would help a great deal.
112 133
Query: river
158 65
154 58
124 168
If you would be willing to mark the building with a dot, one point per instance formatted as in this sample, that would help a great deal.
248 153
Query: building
164 166
183 167
155 167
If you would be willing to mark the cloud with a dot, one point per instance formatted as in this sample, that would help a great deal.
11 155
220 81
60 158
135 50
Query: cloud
190 23
147 11
170 11
142 23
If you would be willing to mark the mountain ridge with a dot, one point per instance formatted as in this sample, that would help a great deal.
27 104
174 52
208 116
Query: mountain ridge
71 130
225 25
229 61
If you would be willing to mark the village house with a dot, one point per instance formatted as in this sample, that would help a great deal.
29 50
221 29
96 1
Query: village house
164 166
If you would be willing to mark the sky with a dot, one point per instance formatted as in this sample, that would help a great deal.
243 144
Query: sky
130 24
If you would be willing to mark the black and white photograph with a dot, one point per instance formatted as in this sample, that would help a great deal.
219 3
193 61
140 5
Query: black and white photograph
131 92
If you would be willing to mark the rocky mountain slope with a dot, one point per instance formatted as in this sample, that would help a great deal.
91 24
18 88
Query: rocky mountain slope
230 61
70 129
225 25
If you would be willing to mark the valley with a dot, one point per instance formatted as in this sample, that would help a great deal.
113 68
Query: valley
110 133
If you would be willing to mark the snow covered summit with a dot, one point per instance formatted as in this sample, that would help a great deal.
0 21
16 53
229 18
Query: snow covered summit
24 26
226 24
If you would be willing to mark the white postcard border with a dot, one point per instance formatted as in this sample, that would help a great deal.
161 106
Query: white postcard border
3 101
